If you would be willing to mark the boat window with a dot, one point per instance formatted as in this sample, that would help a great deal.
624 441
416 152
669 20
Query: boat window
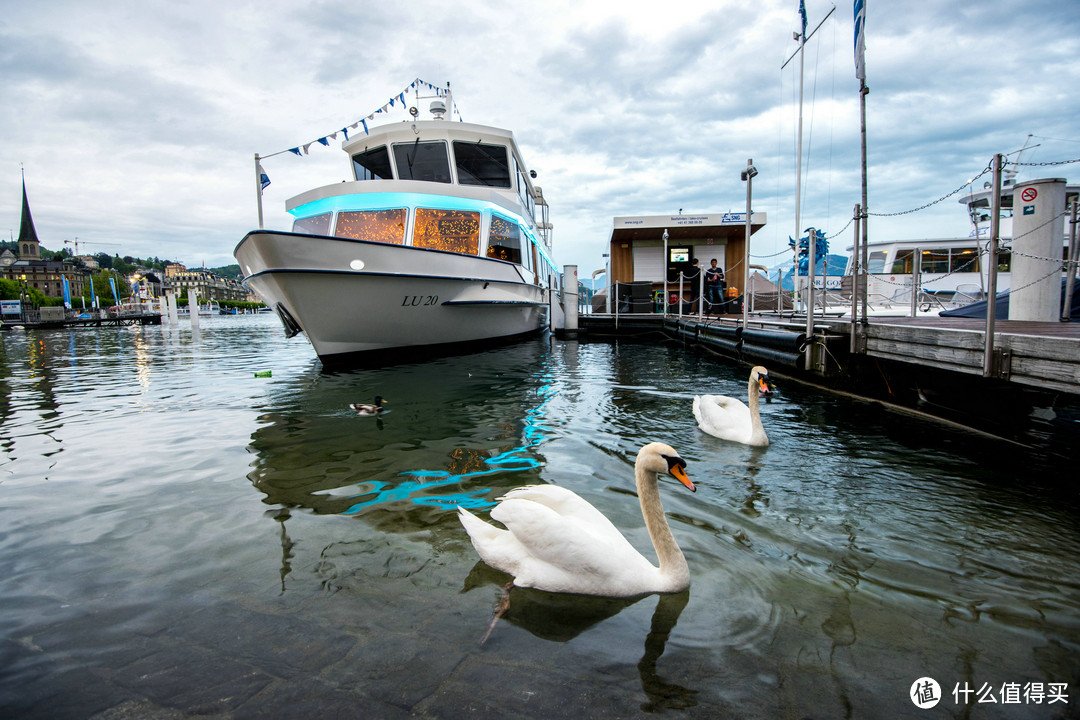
314 225
876 262
964 260
480 164
385 226
372 164
903 262
452 230
422 161
524 195
935 261
504 240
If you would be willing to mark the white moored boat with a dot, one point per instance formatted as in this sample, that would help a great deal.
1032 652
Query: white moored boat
440 242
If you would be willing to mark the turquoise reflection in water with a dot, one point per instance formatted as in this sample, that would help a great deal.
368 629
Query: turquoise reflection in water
417 491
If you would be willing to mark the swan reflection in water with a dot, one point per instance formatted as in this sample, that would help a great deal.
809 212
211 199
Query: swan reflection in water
561 617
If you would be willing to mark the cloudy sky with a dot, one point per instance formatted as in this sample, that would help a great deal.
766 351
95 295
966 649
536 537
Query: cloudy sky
136 121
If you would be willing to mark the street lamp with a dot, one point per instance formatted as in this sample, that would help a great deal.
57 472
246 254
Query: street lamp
747 175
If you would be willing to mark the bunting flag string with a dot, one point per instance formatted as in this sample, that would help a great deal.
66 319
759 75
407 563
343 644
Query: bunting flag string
302 150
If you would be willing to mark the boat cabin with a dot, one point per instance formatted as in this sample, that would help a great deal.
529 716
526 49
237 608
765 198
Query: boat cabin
437 185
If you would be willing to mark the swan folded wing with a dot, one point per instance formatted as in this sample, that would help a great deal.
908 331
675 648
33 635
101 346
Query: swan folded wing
565 554
721 415
565 502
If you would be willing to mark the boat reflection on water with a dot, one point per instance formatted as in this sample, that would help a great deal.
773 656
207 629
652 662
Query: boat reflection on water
443 437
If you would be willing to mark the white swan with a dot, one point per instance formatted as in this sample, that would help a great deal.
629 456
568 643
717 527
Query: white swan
728 419
556 541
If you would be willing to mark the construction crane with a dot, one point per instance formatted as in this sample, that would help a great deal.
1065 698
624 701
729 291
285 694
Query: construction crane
75 242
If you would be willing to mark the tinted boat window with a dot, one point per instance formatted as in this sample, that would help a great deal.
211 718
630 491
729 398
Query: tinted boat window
314 225
423 161
372 164
935 261
385 226
480 164
876 262
453 230
964 260
504 240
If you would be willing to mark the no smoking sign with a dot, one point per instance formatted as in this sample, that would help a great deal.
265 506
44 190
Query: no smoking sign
1029 194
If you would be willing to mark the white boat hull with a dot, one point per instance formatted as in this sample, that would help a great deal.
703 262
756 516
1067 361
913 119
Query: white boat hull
355 299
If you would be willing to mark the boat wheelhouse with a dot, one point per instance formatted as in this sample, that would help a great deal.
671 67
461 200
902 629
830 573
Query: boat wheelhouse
441 241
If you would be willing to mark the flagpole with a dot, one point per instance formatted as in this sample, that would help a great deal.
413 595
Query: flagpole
798 170
860 73
258 189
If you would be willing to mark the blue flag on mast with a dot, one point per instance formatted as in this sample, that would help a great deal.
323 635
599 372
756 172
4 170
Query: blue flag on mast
802 14
860 39
93 295
67 292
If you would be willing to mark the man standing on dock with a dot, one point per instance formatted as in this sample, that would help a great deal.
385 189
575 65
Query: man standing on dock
714 288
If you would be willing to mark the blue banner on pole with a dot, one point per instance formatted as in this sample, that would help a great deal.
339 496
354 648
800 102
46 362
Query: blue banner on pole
860 39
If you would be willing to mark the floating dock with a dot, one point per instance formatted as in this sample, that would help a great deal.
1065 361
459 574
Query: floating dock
934 365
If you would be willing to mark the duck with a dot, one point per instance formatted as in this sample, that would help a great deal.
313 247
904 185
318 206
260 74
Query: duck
729 419
556 541
369 409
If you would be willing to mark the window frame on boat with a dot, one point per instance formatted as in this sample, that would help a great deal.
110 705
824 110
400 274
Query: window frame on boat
509 246
311 224
373 164
433 166
373 219
476 164
441 218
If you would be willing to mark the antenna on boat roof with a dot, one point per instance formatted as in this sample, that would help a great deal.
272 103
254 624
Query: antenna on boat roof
1011 172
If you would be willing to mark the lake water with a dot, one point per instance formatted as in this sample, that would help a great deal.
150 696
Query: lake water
178 536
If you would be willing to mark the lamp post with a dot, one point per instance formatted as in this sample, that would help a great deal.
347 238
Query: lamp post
747 175
22 297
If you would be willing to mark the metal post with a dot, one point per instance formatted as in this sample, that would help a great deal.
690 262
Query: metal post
991 299
864 290
258 189
811 247
747 175
1070 281
916 279
855 278
681 276
701 293
664 269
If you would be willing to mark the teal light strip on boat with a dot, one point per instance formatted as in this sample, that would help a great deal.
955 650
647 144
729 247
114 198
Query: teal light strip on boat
386 200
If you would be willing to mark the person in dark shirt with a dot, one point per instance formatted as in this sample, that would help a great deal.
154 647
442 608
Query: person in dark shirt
714 288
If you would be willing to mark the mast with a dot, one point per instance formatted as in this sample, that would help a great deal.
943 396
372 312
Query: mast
860 73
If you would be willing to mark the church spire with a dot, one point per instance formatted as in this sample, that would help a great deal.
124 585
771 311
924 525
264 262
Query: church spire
28 239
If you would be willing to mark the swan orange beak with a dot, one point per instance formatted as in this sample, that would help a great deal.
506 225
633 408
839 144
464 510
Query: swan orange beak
763 385
679 474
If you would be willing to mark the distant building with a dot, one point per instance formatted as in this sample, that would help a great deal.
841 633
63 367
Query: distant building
33 272
208 285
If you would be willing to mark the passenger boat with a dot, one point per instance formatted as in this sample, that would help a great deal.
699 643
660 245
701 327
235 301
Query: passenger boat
952 271
440 242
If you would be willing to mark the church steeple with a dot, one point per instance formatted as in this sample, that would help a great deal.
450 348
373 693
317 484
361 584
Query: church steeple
29 245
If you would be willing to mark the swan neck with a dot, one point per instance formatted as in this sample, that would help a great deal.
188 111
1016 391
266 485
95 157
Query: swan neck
755 415
672 562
